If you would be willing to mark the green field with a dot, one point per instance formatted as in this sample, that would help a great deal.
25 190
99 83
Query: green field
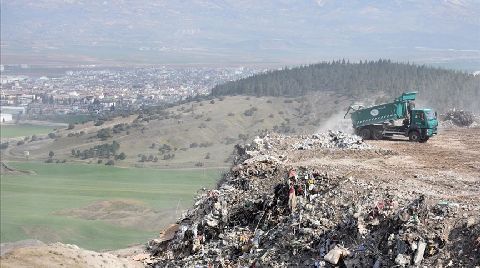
12 131
29 202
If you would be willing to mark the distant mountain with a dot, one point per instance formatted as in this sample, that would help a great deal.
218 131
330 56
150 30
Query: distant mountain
215 31
440 88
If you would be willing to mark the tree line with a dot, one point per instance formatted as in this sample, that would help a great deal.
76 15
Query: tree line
443 89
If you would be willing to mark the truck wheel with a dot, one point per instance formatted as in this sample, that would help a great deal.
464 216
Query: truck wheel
424 139
377 134
414 136
365 133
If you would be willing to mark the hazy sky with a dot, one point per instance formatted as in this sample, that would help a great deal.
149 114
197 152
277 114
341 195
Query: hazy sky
242 31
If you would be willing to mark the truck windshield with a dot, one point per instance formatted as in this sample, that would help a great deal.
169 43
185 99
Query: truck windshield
430 115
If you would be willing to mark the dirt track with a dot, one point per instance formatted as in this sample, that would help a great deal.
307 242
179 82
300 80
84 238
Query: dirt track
446 167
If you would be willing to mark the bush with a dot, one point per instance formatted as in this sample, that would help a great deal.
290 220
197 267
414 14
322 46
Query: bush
199 164
110 163
100 161
250 111
22 142
104 133
49 160
122 156
212 102
193 145
99 123
4 145
52 135
70 126
231 114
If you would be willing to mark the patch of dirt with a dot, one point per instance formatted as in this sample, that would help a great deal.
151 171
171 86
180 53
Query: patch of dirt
10 246
62 255
124 212
6 170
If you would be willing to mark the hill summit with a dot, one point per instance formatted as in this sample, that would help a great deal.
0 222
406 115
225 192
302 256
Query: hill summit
444 89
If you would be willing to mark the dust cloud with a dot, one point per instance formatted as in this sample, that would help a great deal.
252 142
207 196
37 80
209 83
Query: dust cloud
337 122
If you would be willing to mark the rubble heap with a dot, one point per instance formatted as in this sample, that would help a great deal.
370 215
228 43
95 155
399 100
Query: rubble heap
459 118
252 220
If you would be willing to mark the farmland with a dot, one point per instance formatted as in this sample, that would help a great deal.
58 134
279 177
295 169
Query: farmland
12 131
93 206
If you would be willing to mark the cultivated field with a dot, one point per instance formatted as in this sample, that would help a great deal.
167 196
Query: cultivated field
13 131
94 206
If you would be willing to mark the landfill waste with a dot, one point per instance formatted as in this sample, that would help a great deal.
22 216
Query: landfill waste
459 118
249 220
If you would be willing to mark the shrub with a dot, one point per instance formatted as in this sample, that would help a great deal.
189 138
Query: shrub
122 156
70 126
104 133
250 111
193 145
110 162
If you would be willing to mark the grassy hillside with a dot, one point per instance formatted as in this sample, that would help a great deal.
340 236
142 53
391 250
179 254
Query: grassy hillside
94 206
198 133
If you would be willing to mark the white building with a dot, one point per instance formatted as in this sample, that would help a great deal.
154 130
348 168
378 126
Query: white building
6 118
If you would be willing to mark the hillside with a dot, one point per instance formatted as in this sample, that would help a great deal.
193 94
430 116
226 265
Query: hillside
194 134
442 89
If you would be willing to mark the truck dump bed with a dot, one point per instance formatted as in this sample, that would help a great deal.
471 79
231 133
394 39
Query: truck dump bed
384 112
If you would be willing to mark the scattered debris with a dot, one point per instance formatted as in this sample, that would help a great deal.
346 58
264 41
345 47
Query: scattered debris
250 219
459 118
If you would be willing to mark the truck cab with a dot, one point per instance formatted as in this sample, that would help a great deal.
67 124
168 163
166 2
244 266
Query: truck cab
424 123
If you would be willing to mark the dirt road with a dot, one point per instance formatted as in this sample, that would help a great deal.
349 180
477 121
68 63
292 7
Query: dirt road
446 167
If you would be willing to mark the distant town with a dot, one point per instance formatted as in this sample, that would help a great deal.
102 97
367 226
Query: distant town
98 90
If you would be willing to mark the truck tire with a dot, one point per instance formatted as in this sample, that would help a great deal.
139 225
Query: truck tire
365 133
377 134
423 140
414 136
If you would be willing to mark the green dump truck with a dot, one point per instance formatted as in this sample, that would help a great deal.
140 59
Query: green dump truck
383 121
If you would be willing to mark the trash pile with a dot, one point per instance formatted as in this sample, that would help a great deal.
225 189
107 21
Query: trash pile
326 140
459 118
267 213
